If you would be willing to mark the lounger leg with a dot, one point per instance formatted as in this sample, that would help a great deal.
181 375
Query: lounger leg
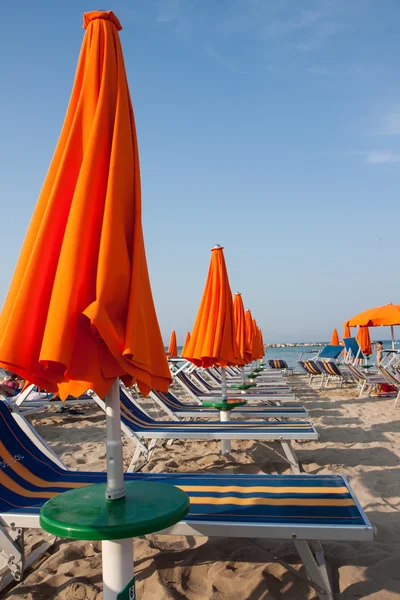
314 563
291 456
396 402
137 461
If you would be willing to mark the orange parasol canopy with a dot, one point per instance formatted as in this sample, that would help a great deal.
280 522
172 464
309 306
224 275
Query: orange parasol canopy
388 315
172 348
255 347
364 340
262 352
213 340
335 338
187 340
249 335
80 312
240 326
346 331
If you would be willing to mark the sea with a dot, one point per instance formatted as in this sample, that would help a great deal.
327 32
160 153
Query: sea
294 353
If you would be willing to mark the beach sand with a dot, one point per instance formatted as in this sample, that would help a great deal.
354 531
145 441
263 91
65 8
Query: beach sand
358 438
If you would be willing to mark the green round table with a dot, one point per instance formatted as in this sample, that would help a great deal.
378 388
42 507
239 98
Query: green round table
242 386
224 407
84 514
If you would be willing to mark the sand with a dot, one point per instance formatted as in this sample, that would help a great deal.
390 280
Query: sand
358 437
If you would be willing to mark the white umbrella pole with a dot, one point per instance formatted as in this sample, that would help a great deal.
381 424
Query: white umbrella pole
223 384
117 555
115 464
392 330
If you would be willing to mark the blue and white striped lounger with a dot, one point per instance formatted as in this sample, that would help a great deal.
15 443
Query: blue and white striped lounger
252 394
175 407
139 426
302 508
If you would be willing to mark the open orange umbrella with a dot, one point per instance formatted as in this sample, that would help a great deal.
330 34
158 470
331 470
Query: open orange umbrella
79 312
187 340
172 348
380 316
364 340
335 338
213 339
249 335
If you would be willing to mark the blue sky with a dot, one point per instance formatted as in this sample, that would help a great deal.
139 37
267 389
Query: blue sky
269 127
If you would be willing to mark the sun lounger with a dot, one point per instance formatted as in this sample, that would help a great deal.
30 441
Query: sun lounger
207 387
330 370
195 392
369 382
329 353
312 370
175 408
305 509
281 365
139 427
391 380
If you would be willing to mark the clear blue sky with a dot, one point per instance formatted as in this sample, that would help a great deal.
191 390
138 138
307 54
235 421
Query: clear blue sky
269 127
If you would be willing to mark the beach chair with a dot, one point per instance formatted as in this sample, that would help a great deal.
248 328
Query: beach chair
329 353
391 380
281 365
196 393
266 383
138 426
331 371
368 382
304 509
177 409
312 370
352 351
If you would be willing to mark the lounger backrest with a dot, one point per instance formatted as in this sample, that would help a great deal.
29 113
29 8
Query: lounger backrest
331 368
133 416
312 367
215 375
189 384
388 376
278 364
22 463
169 400
352 346
200 378
356 372
330 352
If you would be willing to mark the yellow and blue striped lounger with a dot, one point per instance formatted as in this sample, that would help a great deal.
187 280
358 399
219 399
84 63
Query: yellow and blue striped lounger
175 407
302 508
139 426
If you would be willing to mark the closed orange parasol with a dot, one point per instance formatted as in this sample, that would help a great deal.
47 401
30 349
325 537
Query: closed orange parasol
346 331
261 343
364 340
187 340
240 326
80 312
335 338
249 335
255 347
172 348
213 339
381 316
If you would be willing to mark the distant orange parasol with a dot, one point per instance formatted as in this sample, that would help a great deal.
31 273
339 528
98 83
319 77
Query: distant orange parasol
255 347
240 326
187 340
249 335
262 351
80 312
213 340
346 331
335 338
364 340
172 348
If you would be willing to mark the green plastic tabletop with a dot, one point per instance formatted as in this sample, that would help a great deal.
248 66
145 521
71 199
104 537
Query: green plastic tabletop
220 404
85 514
243 386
